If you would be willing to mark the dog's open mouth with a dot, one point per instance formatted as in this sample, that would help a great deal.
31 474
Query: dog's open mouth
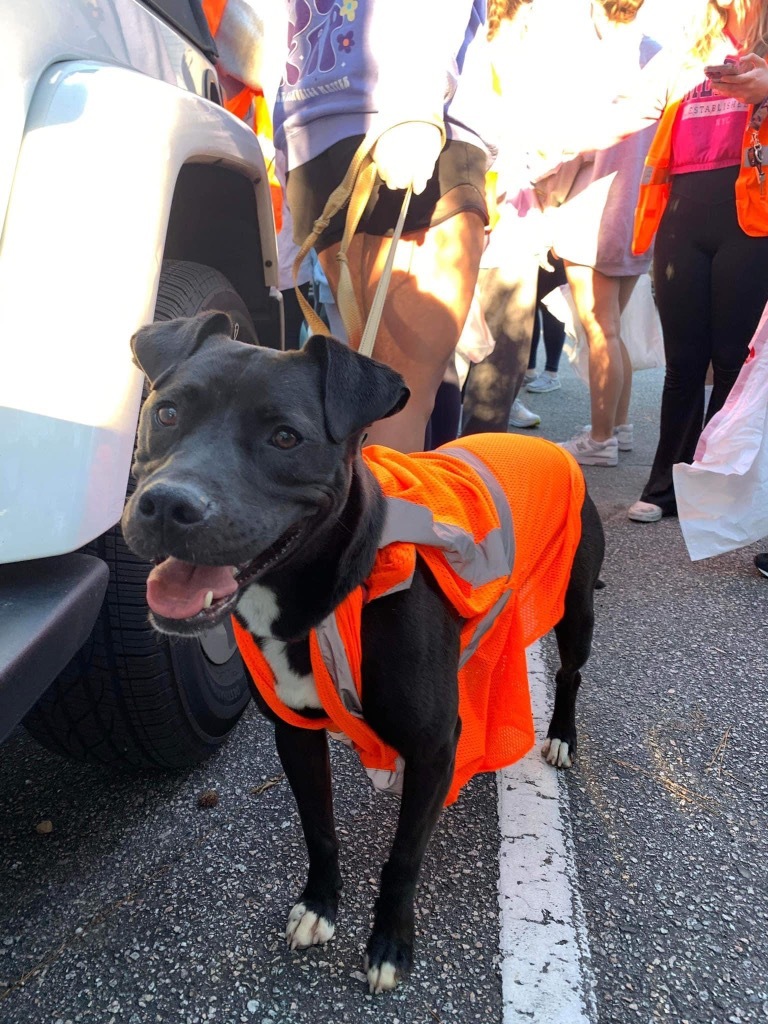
201 595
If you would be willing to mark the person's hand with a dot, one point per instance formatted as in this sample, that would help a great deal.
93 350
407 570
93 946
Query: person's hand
406 155
750 85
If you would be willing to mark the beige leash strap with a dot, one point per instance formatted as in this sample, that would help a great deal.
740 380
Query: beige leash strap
368 337
336 201
356 189
345 297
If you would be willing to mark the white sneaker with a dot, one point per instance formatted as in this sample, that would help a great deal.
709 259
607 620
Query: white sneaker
644 512
589 452
519 416
543 383
528 376
624 434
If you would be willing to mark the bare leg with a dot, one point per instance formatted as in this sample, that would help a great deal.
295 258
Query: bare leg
626 287
429 295
599 301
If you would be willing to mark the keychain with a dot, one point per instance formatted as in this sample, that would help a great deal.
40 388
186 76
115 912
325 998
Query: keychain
755 159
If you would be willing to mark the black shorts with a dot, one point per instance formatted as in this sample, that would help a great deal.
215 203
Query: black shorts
458 184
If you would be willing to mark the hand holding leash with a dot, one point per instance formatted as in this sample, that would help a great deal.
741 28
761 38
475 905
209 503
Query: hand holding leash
406 154
427 138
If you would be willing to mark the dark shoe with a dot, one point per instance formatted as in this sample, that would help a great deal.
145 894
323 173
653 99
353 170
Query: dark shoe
761 563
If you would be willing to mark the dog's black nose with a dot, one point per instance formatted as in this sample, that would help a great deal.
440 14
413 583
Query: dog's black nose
173 505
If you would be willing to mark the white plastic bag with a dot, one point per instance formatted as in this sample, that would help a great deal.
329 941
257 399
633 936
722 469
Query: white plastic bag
640 328
722 498
476 341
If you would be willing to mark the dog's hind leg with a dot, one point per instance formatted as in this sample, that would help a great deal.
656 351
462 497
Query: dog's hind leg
574 638
304 756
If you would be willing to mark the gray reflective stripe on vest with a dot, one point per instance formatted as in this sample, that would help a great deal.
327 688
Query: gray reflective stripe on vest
388 782
477 563
483 626
504 537
334 655
383 780
655 175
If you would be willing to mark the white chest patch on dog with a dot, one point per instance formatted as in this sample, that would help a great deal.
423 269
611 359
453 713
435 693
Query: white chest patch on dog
296 691
259 610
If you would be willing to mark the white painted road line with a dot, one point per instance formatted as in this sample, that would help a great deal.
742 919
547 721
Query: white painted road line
546 973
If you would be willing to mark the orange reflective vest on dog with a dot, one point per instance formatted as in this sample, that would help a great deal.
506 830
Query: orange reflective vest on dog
751 196
498 525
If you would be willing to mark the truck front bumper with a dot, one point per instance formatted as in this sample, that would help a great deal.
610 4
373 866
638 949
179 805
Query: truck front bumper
47 611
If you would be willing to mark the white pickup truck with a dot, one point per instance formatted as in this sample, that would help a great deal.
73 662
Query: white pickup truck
127 193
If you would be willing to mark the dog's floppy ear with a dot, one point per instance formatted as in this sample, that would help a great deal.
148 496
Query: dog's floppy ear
159 346
357 390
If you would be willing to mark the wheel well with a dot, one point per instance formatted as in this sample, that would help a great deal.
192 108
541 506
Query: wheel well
213 221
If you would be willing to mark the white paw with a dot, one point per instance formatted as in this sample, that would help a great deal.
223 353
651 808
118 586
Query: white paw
382 978
306 928
556 753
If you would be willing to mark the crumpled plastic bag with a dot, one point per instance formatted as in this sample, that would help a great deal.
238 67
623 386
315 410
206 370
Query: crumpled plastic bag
640 328
476 341
722 497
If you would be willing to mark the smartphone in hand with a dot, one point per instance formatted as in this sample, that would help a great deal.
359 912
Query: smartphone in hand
715 72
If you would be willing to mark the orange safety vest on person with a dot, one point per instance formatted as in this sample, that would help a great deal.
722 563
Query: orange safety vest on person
498 524
250 106
751 197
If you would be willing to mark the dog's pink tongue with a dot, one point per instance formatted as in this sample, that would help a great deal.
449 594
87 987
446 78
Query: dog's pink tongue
177 590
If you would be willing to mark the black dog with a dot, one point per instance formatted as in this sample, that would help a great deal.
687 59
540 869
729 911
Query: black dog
253 497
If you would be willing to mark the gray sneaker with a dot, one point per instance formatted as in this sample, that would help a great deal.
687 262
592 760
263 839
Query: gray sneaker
644 512
520 416
624 434
543 383
589 452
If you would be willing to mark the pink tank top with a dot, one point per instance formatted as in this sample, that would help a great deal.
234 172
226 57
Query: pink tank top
709 129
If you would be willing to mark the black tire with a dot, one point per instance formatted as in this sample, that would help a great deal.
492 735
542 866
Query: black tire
131 697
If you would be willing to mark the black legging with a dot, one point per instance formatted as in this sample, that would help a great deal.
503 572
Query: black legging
711 282
552 329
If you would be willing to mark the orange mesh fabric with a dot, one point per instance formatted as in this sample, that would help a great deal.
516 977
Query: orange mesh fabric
545 490
456 496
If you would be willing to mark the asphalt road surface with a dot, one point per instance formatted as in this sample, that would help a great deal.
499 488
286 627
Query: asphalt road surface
642 882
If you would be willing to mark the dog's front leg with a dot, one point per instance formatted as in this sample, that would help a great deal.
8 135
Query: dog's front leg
426 781
304 756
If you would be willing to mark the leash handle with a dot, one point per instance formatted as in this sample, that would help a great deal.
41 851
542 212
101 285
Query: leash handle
355 189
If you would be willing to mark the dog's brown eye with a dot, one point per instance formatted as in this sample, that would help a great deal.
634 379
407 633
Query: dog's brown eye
285 438
166 415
